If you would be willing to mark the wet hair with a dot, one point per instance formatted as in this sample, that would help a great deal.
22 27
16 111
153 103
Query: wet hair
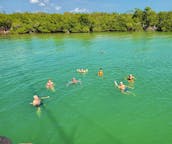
5 140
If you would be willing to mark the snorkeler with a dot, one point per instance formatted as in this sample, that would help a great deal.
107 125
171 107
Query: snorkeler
100 72
50 85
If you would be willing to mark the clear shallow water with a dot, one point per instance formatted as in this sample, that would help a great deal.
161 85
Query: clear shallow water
95 111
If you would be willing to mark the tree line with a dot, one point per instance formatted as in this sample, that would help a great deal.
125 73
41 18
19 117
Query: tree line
138 20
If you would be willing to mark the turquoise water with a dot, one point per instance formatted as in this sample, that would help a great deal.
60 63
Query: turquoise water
94 112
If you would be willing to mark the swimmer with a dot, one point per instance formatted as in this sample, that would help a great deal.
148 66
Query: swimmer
100 72
131 78
37 100
123 88
73 81
50 85
82 70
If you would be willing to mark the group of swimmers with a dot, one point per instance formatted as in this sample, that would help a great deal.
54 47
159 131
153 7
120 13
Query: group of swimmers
37 101
124 88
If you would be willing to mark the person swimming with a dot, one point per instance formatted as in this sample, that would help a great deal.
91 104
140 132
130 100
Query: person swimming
50 85
82 70
100 72
123 88
36 101
130 78
73 81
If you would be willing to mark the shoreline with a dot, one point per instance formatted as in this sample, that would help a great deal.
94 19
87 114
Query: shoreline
34 33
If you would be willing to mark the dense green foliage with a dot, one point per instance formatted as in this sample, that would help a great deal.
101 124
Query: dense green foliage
139 20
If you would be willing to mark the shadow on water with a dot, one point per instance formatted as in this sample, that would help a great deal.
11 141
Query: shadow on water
109 136
89 122
70 139
65 138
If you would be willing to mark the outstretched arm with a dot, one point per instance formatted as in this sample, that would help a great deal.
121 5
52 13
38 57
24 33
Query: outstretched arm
130 87
116 84
69 83
45 97
79 81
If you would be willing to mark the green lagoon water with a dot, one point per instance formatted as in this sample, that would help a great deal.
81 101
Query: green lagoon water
94 112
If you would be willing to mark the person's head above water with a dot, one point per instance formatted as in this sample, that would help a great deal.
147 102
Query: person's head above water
121 83
49 81
35 97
